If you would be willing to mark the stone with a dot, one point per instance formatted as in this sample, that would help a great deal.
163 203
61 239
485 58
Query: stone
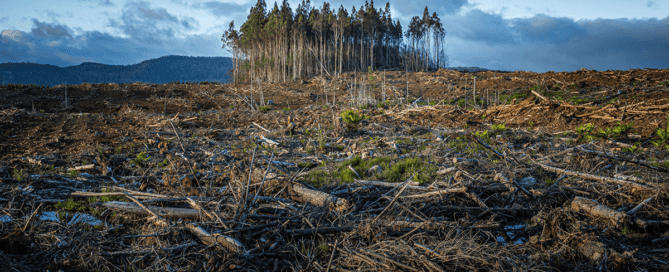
373 170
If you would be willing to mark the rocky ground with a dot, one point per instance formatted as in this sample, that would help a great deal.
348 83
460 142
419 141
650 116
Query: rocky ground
551 171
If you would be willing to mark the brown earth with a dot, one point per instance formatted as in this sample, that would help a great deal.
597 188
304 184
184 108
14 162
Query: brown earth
211 131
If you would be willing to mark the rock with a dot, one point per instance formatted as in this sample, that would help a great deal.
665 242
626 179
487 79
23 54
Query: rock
593 250
527 182
374 170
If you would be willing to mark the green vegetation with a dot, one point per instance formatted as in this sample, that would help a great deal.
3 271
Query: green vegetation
662 137
346 175
484 136
323 247
587 132
398 171
141 159
71 205
73 173
318 178
554 95
164 163
111 198
577 100
265 108
627 231
18 174
631 149
499 128
461 103
460 143
353 118
616 131
536 87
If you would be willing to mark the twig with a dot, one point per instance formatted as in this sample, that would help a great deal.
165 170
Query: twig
146 209
327 269
256 124
396 196
31 217
184 150
638 207
404 266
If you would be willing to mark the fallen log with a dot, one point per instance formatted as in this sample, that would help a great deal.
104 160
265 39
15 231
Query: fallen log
210 239
82 167
431 194
165 212
305 195
594 177
595 209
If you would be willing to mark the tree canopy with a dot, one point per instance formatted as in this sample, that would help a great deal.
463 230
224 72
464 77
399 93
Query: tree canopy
279 44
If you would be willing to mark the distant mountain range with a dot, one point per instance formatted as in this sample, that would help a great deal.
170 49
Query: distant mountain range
161 70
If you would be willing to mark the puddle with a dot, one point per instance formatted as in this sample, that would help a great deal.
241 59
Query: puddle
510 232
77 218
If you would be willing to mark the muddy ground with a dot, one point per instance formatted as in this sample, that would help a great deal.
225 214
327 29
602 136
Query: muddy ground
551 171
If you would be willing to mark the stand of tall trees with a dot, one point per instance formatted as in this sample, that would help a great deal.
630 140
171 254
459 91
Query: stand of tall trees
280 45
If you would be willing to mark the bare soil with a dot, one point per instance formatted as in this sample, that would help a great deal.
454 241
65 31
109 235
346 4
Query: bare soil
452 190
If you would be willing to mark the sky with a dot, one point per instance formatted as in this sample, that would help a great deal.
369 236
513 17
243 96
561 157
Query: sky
508 35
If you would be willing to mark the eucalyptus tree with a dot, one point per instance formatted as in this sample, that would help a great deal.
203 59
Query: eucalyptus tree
282 45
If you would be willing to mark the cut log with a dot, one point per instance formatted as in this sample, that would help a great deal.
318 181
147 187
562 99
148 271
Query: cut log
412 185
164 212
82 167
594 177
209 239
594 251
502 179
597 210
431 194
318 198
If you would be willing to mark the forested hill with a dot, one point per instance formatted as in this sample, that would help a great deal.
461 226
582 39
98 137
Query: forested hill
160 70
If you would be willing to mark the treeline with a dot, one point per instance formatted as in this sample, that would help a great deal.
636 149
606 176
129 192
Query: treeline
280 45
161 70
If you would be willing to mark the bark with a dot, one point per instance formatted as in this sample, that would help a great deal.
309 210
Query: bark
165 212
209 239
305 195
594 209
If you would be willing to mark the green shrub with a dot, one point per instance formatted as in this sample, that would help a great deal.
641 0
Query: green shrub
585 132
352 118
616 131
18 174
140 159
403 170
461 103
662 137
484 136
318 178
499 128
265 108
71 205
346 175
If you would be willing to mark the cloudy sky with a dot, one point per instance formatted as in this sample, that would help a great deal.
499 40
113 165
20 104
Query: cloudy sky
537 35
